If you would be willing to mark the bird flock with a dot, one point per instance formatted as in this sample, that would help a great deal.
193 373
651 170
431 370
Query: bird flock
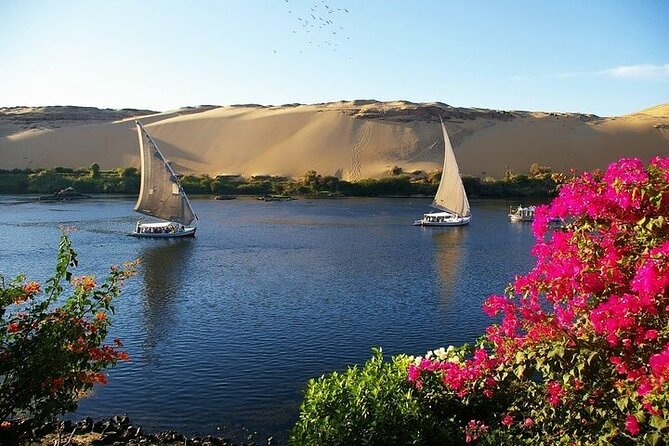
319 25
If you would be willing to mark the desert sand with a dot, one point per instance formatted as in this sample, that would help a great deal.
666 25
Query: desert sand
348 139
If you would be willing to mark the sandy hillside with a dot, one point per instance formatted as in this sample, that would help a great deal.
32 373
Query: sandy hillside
352 140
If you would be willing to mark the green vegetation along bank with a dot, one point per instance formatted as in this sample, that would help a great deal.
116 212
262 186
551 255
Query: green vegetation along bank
539 182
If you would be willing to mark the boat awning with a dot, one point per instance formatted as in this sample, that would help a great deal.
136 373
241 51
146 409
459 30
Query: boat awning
160 224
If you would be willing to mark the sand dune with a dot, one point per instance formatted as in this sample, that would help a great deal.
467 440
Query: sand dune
352 140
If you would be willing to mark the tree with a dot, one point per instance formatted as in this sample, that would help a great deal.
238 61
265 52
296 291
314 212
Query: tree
508 173
95 170
129 180
331 183
312 178
434 177
540 172
52 347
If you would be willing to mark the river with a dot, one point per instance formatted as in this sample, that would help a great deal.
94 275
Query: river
224 330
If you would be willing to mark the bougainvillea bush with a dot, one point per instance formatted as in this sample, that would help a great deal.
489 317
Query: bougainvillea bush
580 351
52 340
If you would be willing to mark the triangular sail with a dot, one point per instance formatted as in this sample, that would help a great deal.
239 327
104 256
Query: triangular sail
451 196
160 193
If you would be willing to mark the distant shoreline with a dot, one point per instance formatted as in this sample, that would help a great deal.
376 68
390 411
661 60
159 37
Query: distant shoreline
540 183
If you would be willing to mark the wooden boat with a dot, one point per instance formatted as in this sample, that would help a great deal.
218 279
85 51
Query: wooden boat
160 195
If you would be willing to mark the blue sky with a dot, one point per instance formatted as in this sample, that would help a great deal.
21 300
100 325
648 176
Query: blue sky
603 57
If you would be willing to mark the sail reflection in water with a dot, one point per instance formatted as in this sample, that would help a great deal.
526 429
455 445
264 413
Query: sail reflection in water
448 253
461 276
164 270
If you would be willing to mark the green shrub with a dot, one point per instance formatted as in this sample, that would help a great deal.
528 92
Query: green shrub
369 405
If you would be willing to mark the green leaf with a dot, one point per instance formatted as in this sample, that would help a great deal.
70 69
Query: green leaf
622 403
658 422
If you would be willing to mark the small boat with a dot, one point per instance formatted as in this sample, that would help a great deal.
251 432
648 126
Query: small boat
225 197
451 199
521 213
160 195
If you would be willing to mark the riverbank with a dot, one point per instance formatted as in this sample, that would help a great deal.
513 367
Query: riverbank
117 431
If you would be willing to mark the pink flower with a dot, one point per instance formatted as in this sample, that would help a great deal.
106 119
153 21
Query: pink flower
644 388
507 420
621 367
632 425
650 409
650 335
474 430
413 373
495 305
529 422
555 392
659 364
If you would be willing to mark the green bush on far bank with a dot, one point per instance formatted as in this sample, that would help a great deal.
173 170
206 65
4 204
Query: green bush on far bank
540 183
84 180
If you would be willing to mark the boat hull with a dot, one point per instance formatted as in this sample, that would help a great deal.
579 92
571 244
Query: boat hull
442 220
188 232
162 230
516 218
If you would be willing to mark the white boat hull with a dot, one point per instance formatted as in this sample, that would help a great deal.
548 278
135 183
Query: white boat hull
442 219
188 232
517 218
162 230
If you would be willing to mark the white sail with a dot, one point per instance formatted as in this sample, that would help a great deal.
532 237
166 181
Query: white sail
451 196
160 193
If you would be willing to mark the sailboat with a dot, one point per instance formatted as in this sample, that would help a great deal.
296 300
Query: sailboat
160 194
450 202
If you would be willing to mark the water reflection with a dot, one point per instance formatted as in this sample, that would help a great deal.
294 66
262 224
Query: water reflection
164 270
448 255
